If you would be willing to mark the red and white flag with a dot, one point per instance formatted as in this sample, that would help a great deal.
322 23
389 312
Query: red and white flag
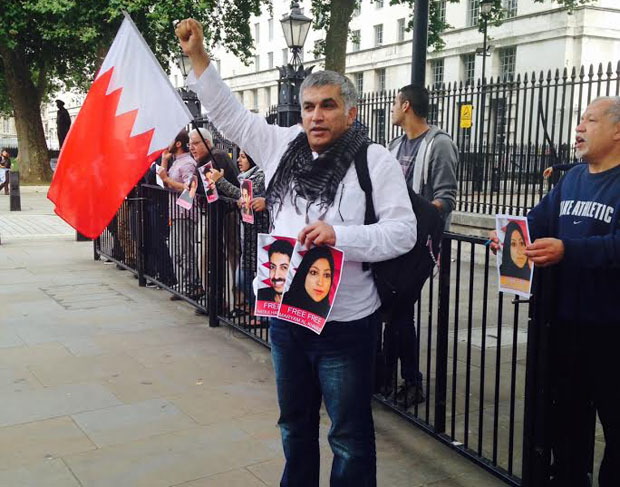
130 115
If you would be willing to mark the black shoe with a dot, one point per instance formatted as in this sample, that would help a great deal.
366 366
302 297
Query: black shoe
200 312
175 297
409 394
196 296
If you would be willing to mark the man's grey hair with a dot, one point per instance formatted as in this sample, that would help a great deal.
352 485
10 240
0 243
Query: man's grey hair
614 107
206 134
325 78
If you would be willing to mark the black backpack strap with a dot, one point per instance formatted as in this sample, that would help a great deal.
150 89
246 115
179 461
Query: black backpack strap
363 176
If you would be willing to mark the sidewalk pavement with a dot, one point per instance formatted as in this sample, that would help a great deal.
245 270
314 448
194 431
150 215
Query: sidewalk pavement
104 383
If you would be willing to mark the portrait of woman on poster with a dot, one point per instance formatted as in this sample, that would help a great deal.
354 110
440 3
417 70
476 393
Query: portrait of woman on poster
312 283
514 261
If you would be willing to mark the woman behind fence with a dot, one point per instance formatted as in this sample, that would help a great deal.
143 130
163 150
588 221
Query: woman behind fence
248 170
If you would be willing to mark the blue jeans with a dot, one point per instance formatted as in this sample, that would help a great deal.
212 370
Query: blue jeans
338 366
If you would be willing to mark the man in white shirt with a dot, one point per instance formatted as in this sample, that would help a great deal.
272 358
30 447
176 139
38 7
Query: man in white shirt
315 196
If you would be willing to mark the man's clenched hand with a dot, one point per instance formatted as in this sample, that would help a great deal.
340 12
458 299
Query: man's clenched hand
191 39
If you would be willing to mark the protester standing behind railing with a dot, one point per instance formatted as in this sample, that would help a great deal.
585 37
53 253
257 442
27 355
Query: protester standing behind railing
179 177
250 171
222 163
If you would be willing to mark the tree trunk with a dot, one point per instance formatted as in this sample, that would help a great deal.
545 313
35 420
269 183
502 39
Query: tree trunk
337 35
33 160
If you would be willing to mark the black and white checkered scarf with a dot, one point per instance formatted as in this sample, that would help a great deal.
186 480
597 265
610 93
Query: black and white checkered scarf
317 181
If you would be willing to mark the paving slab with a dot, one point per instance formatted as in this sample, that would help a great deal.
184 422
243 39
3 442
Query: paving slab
27 406
34 443
50 473
234 478
128 422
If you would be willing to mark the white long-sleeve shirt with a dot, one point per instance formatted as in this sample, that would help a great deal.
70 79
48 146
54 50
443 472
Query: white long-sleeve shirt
393 235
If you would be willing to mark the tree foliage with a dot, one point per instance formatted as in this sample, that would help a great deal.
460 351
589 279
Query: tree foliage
48 44
66 40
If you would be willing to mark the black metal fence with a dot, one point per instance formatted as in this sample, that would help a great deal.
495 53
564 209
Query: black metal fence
471 340
508 130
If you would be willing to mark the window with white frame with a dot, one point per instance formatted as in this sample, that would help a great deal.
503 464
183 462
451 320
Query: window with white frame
270 60
378 35
378 4
441 6
473 7
355 40
437 71
401 29
358 81
257 63
510 6
270 27
380 79
469 68
257 33
507 62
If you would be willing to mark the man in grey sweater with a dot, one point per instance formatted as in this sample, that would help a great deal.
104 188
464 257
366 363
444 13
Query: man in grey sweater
427 154
428 158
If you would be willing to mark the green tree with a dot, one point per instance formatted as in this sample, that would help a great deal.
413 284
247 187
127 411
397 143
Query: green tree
334 17
48 44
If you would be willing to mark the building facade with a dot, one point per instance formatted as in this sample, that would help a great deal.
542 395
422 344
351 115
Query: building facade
533 37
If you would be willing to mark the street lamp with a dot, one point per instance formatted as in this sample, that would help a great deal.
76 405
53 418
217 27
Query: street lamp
486 6
295 27
185 65
188 96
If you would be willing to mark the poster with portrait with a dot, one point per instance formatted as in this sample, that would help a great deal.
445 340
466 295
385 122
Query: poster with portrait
3 173
514 268
207 182
247 213
158 179
311 286
273 259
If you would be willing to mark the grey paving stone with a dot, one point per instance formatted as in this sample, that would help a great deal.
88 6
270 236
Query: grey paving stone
73 370
234 478
121 424
170 459
51 473
47 403
34 443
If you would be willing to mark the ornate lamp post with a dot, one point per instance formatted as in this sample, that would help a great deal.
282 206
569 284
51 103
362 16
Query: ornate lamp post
295 26
188 96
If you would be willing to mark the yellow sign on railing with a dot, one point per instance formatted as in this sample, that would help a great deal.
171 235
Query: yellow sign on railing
466 113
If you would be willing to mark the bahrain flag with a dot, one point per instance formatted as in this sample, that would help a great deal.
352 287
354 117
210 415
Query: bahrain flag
130 115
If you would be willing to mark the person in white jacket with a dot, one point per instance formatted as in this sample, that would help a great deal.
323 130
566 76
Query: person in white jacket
314 196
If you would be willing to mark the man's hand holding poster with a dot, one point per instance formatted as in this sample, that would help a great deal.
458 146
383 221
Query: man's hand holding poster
207 182
513 267
186 199
273 262
311 287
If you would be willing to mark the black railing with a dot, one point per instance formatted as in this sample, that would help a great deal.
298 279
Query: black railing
472 340
528 124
